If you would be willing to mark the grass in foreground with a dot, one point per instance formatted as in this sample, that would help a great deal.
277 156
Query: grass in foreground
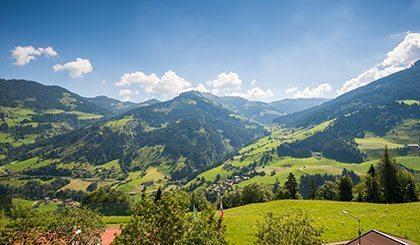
399 219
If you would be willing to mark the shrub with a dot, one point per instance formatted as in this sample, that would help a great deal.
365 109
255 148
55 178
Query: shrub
293 228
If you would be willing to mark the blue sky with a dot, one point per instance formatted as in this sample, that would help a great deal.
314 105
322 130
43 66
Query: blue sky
262 50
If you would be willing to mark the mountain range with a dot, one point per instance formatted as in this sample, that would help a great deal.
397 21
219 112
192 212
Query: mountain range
130 143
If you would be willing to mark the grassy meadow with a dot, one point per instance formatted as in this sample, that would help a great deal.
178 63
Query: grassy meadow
241 222
399 219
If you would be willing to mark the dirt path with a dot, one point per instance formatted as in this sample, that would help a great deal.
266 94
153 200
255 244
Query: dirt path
109 234
303 171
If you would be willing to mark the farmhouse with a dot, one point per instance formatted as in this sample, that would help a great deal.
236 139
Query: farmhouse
378 237
412 146
317 154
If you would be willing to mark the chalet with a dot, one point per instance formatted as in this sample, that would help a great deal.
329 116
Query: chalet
412 146
378 237
317 154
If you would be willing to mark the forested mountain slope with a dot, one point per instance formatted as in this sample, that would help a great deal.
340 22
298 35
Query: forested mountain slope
258 111
30 111
187 135
403 85
379 109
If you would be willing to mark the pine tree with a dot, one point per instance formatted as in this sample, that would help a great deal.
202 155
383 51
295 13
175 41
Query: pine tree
372 171
312 190
276 186
389 179
291 186
158 194
372 186
345 186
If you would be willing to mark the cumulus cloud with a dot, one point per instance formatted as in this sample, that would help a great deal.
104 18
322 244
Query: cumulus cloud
24 55
170 84
103 82
320 91
76 68
400 58
225 83
48 52
201 88
255 93
126 94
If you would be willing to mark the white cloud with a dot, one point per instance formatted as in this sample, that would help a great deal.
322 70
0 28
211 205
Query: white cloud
201 88
170 84
225 83
48 52
254 82
255 93
320 91
137 77
76 68
126 94
103 82
400 58
24 55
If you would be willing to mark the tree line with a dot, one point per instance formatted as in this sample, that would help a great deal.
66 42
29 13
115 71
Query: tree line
388 182
174 217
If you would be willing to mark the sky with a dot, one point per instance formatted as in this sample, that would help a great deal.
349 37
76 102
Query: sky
260 50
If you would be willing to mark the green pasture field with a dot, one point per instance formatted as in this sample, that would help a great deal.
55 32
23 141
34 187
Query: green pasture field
399 219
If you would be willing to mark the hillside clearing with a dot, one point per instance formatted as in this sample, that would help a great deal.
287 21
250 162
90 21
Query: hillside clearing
369 143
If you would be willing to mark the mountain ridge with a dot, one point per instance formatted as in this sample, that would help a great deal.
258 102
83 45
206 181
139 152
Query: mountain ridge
381 91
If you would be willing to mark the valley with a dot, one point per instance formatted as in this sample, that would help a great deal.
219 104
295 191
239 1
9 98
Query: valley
64 150
210 122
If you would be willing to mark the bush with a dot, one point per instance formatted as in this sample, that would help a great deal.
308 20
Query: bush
167 221
256 192
328 191
293 228
108 202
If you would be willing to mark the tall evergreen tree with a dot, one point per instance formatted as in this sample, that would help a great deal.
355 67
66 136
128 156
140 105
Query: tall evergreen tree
158 194
389 179
345 185
372 171
276 186
312 190
372 186
291 186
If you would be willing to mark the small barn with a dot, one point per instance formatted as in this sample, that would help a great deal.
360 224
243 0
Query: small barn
378 237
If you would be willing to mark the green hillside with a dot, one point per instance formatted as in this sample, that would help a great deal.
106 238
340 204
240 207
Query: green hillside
400 86
261 161
31 112
399 219
174 140
254 152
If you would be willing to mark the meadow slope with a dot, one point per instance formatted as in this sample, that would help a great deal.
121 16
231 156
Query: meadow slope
399 219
